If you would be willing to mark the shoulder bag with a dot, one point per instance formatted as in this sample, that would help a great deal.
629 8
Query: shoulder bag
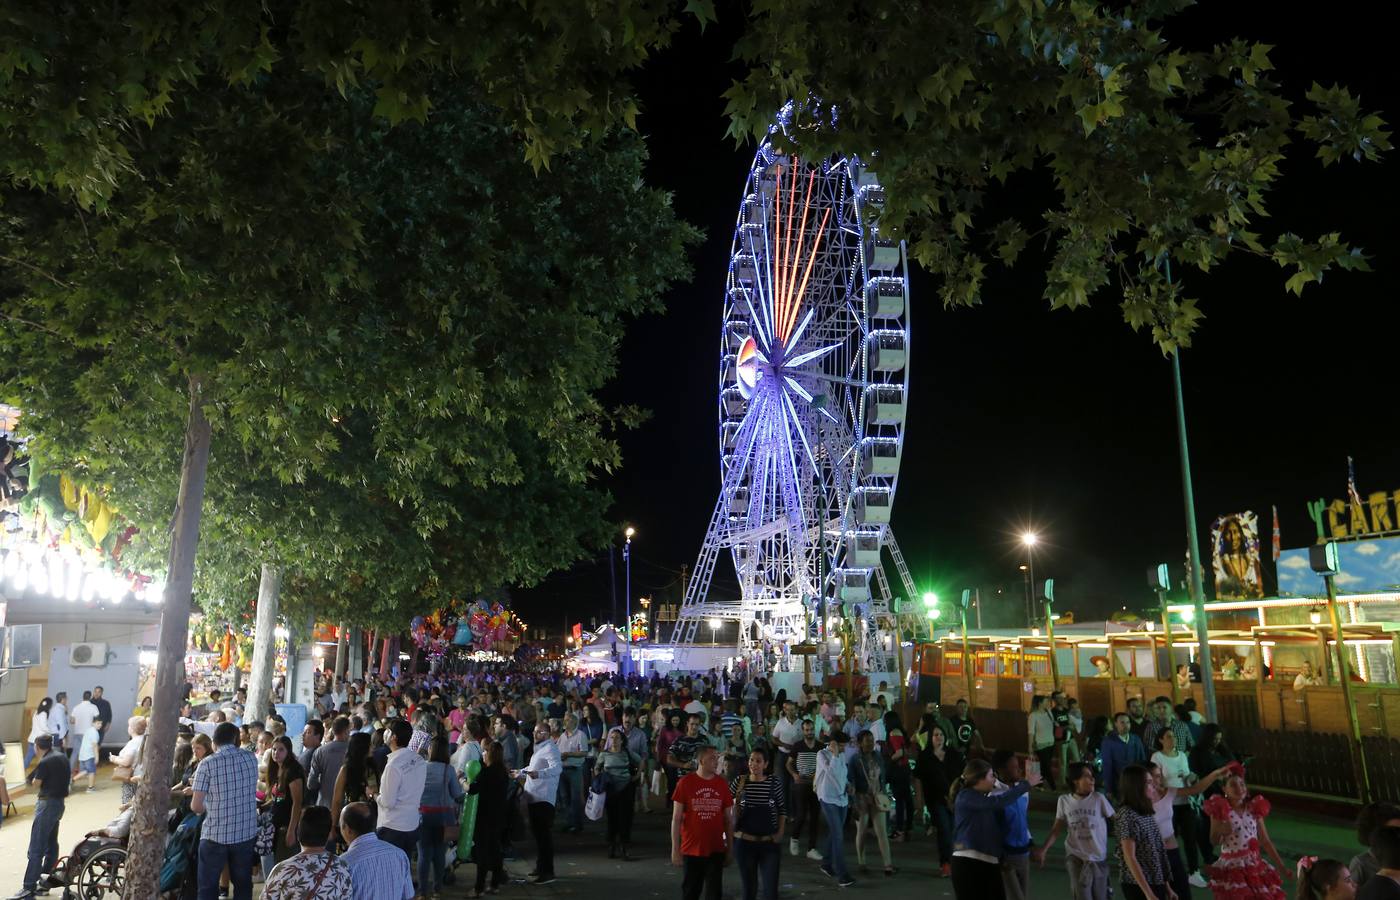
320 876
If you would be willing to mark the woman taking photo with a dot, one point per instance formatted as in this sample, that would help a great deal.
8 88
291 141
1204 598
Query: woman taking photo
978 831
623 769
1143 869
759 822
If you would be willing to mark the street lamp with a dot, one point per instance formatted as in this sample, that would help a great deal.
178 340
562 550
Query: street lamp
627 565
714 632
1029 540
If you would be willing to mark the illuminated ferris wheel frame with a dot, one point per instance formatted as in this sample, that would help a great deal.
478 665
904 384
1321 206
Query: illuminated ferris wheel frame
811 404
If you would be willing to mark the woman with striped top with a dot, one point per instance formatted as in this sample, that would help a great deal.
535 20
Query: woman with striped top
759 821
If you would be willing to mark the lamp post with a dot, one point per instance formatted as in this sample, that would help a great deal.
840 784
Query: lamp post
1029 540
967 596
1322 558
627 566
714 632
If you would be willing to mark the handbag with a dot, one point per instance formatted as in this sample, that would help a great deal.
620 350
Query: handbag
122 773
452 828
658 782
596 805
266 838
883 802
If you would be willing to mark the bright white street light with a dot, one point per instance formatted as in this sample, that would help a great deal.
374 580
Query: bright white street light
714 624
1030 538
630 531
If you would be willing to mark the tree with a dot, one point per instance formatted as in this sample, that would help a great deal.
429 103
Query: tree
391 339
1154 153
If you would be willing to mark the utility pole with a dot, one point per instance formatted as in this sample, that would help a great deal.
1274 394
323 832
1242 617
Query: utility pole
612 579
1323 561
1193 543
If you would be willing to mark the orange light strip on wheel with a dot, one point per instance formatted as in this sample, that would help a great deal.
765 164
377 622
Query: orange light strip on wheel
787 247
775 279
811 260
792 304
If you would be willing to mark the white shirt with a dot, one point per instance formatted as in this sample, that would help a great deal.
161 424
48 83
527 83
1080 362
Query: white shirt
58 721
400 789
786 732
39 726
470 751
1302 680
1175 770
544 762
83 714
572 742
1086 820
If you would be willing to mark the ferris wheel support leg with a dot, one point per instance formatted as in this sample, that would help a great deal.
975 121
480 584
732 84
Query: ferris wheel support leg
686 622
900 565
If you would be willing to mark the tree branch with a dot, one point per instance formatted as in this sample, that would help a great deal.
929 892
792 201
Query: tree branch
33 268
9 318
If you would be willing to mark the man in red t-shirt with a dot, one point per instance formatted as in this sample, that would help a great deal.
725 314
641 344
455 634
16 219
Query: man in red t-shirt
702 828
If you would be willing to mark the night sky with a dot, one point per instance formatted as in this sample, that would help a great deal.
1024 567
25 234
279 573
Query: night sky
1020 416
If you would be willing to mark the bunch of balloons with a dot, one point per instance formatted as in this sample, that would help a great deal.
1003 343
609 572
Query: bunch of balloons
434 633
489 624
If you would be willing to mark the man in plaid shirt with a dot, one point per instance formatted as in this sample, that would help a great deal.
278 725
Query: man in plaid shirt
1164 720
225 790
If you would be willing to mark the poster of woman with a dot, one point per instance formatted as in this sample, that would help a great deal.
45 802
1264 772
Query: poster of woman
1235 557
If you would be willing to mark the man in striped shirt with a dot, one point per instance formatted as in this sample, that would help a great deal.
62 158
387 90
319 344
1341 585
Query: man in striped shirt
802 768
378 870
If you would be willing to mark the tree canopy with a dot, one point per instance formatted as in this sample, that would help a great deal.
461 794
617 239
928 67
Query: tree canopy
1156 153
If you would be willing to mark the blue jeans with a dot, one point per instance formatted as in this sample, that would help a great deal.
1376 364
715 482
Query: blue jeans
404 840
571 796
43 840
432 853
213 856
943 821
833 854
758 867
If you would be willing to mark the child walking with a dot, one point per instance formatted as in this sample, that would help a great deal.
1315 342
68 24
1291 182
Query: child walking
1083 814
87 753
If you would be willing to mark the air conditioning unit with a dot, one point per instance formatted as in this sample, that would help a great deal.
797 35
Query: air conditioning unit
92 653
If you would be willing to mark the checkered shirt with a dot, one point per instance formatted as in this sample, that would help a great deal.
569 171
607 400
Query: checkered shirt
229 780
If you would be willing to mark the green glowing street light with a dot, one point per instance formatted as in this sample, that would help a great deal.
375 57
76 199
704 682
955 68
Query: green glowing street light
931 605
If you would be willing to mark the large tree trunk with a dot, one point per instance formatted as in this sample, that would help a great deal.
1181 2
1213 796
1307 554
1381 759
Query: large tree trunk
386 670
264 644
148 828
342 650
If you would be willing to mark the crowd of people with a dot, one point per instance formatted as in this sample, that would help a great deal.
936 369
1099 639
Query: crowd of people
368 802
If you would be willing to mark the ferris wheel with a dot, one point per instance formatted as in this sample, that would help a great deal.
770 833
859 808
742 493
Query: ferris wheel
811 401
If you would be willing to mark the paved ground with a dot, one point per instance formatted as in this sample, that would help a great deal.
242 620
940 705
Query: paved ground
586 872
